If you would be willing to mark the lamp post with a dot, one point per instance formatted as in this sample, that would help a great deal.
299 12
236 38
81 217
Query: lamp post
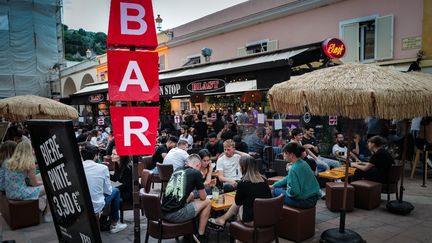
88 54
159 23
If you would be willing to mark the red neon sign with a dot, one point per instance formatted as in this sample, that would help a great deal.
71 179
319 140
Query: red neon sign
334 48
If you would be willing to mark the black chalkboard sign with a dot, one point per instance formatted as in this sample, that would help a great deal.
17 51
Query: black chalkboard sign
64 180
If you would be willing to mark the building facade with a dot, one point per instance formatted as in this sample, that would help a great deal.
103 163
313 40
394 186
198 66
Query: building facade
31 48
230 58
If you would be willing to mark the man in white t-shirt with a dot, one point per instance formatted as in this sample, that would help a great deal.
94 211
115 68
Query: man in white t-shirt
177 156
340 149
228 166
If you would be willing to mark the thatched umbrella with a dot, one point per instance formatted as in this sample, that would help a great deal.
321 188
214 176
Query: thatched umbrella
356 91
24 107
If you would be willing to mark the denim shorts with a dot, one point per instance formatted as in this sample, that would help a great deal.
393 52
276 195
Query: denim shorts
189 211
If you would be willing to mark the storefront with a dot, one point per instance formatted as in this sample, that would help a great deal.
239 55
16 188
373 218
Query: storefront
229 84
92 104
237 83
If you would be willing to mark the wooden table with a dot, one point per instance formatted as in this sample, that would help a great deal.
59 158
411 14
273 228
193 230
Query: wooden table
229 200
351 170
337 173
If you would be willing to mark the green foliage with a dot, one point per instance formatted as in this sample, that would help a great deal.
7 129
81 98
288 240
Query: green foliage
78 41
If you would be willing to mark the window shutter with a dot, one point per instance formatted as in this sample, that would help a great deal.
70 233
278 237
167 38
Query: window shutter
241 52
162 62
272 45
384 37
350 36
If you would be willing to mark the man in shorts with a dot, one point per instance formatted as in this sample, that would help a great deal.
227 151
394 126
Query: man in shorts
178 203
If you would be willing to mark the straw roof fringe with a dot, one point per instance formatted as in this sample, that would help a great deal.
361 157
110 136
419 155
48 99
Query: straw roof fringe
355 91
20 108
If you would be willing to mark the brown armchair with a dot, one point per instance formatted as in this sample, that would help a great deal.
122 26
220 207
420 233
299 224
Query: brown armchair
390 186
145 185
158 227
266 215
165 172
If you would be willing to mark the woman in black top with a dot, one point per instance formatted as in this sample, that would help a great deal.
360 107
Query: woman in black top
253 185
379 165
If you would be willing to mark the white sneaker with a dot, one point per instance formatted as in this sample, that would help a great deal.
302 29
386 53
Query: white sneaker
117 227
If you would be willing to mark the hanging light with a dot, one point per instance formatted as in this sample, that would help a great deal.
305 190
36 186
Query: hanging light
159 22
88 53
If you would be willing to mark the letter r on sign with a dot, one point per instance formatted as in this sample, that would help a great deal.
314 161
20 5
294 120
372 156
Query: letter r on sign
125 19
139 132
134 129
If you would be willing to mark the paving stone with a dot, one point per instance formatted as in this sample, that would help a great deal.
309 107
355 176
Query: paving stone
376 225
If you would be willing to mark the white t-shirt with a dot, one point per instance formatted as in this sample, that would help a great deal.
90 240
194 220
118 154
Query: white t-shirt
98 180
336 149
230 166
189 139
177 157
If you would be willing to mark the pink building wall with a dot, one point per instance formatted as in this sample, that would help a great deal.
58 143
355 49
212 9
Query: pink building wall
229 14
303 28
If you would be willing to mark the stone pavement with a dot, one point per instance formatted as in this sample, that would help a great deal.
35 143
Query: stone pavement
376 225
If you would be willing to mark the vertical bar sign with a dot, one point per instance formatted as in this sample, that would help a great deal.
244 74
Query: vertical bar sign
64 180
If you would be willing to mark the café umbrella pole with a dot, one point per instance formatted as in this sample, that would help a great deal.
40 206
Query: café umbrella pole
341 234
399 206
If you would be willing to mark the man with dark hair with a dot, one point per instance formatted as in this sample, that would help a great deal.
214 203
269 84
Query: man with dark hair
309 141
214 146
178 155
99 184
82 136
162 151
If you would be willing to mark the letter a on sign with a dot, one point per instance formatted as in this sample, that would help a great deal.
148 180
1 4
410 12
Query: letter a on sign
133 76
134 129
131 23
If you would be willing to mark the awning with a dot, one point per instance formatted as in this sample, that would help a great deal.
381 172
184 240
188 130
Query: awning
229 66
100 87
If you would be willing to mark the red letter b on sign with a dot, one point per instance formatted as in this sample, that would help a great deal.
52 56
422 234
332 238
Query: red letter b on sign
131 23
134 129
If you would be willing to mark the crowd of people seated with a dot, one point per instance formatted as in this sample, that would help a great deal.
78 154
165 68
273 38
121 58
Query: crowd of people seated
196 146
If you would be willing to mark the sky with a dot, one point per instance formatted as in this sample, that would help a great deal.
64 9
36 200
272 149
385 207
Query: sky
92 15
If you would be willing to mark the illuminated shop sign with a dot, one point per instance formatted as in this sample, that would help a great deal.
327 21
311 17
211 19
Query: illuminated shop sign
206 85
334 48
96 98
